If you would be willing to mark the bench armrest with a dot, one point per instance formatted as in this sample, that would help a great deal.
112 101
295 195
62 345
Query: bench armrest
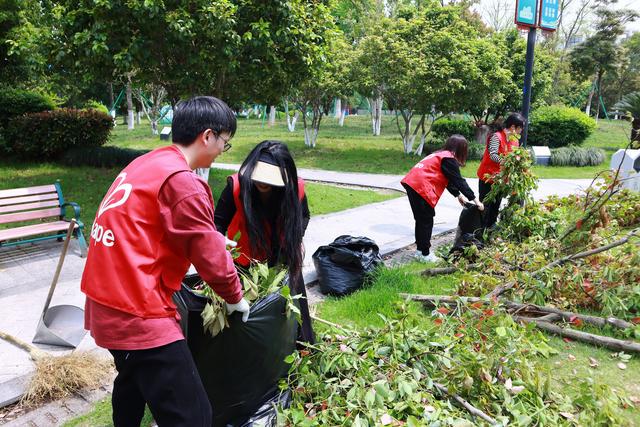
76 209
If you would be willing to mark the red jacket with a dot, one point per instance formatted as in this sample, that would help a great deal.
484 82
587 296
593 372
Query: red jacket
488 166
427 179
238 223
130 266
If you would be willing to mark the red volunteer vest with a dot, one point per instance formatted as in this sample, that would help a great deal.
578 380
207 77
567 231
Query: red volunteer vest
427 179
130 266
238 223
488 166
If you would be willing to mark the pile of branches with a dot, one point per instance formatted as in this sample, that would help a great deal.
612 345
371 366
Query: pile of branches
471 365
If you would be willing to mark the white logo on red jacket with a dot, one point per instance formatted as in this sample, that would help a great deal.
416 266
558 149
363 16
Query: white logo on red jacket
117 197
110 201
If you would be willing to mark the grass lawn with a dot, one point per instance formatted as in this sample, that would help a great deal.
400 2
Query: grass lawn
87 186
100 416
352 148
360 309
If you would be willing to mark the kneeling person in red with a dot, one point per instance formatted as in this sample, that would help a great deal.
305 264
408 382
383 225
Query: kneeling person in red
425 184
156 220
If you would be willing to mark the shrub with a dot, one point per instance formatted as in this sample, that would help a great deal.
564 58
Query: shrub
16 102
444 128
475 150
48 134
100 157
559 126
576 156
96 105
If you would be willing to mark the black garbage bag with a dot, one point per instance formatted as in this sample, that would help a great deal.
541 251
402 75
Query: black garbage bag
469 231
343 265
241 366
267 414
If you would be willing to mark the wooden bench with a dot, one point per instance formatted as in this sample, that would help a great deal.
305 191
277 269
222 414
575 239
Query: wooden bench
43 203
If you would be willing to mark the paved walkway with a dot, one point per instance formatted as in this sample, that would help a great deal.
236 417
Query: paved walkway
26 271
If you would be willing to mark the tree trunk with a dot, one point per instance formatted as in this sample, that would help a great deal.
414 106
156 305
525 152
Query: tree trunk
598 101
111 98
272 115
635 130
130 123
311 133
138 113
342 116
587 110
481 133
423 139
338 108
291 121
376 114
154 127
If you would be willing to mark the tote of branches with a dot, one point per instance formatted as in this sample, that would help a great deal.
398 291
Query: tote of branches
240 363
576 156
467 366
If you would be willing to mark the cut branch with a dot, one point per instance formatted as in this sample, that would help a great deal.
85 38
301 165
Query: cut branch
466 405
607 342
499 290
567 316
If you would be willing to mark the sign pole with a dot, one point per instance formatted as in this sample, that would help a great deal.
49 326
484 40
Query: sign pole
526 90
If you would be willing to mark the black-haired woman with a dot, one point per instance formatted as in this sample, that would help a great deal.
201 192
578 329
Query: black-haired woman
426 182
266 203
498 144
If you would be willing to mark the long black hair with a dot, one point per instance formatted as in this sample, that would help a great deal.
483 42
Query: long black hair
286 201
459 146
516 119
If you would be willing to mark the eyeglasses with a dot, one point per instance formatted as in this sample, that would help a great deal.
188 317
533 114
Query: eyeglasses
227 145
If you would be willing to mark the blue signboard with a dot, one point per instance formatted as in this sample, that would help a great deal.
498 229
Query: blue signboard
526 12
548 18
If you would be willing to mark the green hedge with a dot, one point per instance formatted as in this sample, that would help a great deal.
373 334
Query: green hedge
576 156
559 126
46 135
444 128
101 157
96 105
16 102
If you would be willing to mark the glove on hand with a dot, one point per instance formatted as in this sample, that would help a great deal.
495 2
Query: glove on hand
241 306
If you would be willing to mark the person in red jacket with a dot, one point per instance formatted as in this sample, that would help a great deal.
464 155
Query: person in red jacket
265 202
426 182
498 144
156 220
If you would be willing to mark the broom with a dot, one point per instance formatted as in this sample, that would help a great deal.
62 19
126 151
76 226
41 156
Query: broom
60 376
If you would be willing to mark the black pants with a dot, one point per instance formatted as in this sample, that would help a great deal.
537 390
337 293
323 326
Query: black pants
423 214
166 379
492 209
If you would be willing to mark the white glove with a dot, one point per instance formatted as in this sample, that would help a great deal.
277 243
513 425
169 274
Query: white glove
241 306
462 199
479 204
229 242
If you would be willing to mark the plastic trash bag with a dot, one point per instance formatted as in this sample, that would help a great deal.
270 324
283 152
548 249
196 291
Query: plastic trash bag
267 414
343 265
469 231
241 366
